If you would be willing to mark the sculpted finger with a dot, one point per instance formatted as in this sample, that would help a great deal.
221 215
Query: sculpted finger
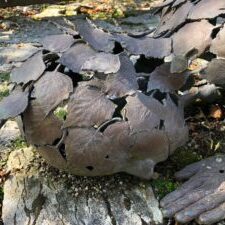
184 202
213 216
188 186
203 205
188 171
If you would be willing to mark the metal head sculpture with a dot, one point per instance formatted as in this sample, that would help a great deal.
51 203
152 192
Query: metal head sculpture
115 118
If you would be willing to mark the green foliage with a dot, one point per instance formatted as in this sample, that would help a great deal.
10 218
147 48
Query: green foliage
183 157
4 93
19 143
61 113
163 186
4 77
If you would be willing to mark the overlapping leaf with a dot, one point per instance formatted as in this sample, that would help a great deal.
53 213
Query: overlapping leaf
124 81
39 129
195 35
51 89
102 63
58 43
76 56
52 155
149 47
91 153
161 78
97 38
218 44
30 70
172 20
215 71
207 9
14 104
88 107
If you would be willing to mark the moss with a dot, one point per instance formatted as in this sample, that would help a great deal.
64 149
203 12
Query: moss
19 143
163 186
183 157
4 77
3 94
118 13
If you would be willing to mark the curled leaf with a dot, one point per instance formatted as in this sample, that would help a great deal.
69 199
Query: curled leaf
88 107
58 43
30 70
14 104
76 56
51 89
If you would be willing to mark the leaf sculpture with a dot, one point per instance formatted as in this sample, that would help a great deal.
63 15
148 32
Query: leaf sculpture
111 122
171 20
30 70
9 106
50 96
162 79
58 43
149 47
207 9
95 37
88 107
123 82
215 71
195 35
39 129
102 63
76 56
218 44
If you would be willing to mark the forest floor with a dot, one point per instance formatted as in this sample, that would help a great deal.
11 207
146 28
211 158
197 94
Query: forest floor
24 25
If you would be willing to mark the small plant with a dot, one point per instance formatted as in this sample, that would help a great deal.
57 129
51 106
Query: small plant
163 186
19 143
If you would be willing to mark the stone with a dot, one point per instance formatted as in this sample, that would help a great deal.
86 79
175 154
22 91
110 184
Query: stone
31 198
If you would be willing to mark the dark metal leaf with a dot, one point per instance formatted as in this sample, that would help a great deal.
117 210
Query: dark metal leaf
150 47
207 9
218 44
196 35
14 104
124 81
88 107
179 64
91 153
30 70
146 114
172 20
103 63
97 38
76 56
39 129
165 3
178 2
215 71
139 112
161 78
51 89
150 144
58 43
52 155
